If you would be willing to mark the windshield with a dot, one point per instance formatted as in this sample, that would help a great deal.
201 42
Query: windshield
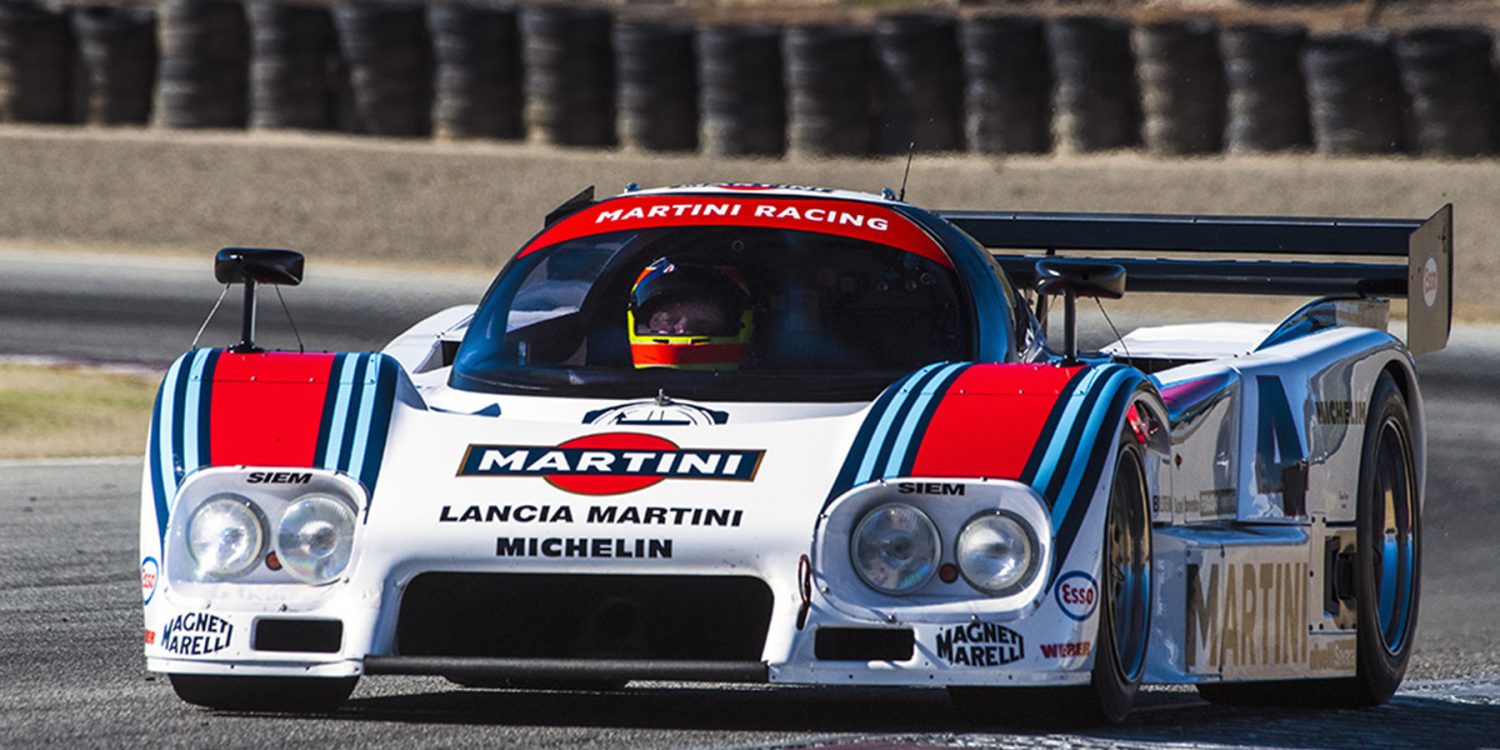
714 312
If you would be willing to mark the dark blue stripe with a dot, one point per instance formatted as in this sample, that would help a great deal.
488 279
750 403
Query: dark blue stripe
1074 437
1049 428
920 430
179 416
380 426
862 439
330 397
1098 455
889 443
351 420
158 482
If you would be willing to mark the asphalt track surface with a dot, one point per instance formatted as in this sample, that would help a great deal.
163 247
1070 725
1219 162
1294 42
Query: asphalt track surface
71 673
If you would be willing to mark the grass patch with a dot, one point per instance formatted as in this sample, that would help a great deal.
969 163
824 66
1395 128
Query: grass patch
52 411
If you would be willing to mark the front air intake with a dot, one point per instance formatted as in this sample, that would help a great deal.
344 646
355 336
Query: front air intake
586 617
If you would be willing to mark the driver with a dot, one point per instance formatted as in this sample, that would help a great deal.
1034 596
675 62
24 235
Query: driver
690 316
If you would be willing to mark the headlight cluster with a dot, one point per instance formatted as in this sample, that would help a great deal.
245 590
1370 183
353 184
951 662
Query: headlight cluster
228 535
896 548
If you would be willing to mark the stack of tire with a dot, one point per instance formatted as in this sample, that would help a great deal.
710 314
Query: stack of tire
831 104
36 63
1354 99
1182 87
117 60
1008 86
1267 96
293 66
388 56
741 95
1450 84
1095 97
477 49
656 85
921 83
570 91
203 76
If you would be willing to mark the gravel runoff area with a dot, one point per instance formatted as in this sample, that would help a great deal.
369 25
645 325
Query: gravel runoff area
469 205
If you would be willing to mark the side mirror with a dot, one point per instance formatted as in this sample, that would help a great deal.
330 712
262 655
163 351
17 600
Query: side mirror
238 265
249 266
1073 279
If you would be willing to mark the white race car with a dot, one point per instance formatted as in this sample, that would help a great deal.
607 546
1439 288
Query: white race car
779 434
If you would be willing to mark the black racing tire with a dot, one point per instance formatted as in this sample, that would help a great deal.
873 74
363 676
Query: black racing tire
1388 505
1118 663
298 695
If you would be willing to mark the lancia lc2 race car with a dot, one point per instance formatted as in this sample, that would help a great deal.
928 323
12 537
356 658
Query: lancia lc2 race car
775 434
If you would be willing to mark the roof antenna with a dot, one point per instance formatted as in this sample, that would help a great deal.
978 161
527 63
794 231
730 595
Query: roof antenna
911 149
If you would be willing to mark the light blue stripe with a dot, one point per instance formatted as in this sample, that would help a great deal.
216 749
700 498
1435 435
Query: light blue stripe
909 427
340 412
165 474
1090 433
867 464
371 384
190 458
1059 438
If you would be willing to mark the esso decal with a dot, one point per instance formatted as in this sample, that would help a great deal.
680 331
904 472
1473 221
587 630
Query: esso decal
1430 282
149 571
1077 595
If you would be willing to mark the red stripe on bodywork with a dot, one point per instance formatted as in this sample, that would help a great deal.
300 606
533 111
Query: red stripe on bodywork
267 408
854 219
990 421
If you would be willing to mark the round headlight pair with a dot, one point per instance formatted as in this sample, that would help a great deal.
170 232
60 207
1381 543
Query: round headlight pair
896 548
226 537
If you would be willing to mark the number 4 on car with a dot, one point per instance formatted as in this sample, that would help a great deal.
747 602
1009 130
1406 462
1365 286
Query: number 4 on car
773 434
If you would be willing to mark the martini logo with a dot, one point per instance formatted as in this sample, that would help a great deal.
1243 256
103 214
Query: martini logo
610 464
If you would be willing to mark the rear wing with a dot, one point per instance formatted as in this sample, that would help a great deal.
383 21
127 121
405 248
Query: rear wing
1423 274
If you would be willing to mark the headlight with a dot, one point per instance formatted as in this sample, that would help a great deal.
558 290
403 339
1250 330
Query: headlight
996 553
315 538
895 548
225 537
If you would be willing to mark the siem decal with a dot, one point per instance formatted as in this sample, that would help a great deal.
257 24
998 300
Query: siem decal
558 547
1065 650
149 571
1077 595
979 644
610 464
1246 614
929 488
278 477
196 634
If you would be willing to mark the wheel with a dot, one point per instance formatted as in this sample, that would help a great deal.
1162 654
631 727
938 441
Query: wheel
279 694
1387 571
1124 624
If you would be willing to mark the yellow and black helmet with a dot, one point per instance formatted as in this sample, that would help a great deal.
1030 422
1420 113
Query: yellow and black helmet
690 316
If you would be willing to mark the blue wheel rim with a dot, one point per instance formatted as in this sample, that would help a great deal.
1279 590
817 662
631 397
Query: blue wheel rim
1394 549
1128 561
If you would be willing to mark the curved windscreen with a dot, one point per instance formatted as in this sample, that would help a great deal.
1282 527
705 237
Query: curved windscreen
787 315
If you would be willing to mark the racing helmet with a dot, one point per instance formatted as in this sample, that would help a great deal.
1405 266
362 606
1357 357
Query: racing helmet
690 316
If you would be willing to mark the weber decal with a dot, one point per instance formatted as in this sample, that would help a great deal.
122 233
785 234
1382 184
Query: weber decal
979 644
507 546
610 464
1066 650
196 634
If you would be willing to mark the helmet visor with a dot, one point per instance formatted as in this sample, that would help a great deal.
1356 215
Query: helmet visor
687 317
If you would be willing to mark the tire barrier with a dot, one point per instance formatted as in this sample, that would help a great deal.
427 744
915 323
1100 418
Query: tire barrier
1095 93
830 96
293 66
1450 84
477 91
388 54
1182 87
1267 95
36 64
921 83
203 77
656 92
1354 100
741 94
569 75
116 69
1007 94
